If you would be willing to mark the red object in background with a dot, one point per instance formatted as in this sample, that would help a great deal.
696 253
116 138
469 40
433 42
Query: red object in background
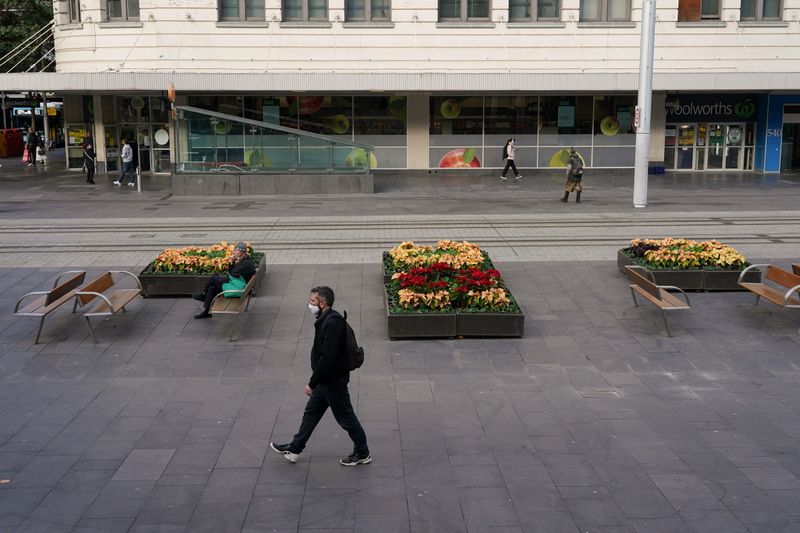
455 159
11 143
308 104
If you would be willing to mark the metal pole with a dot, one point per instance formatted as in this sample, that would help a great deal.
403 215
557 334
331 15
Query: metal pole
5 124
644 103
45 123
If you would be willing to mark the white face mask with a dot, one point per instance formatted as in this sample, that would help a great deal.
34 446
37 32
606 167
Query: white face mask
314 309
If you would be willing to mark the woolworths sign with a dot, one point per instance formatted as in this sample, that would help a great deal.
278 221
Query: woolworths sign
711 108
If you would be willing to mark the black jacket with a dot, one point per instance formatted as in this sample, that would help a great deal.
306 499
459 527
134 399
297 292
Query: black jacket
243 269
328 351
89 155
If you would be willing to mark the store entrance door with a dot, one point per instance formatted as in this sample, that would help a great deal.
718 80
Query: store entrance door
725 147
144 144
790 139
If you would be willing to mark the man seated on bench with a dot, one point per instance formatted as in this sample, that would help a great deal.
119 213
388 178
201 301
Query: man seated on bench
239 273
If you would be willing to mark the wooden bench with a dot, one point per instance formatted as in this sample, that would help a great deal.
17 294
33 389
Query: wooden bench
233 302
49 301
107 302
657 295
785 284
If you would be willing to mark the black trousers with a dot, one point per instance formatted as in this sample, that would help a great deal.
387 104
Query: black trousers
213 288
510 164
32 154
89 172
336 396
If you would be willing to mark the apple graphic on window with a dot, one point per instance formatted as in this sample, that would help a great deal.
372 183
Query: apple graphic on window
397 107
460 158
358 158
340 124
450 109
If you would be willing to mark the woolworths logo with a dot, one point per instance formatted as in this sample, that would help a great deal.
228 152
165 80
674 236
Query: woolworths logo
743 109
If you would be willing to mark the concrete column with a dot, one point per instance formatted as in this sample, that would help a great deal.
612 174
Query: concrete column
99 134
418 133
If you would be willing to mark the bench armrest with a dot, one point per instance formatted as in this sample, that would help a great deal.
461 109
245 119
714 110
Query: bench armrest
34 293
58 279
138 283
92 293
751 267
674 288
788 295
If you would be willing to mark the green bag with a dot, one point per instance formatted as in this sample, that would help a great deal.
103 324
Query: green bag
234 283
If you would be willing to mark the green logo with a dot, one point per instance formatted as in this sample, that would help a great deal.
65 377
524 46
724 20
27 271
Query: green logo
745 109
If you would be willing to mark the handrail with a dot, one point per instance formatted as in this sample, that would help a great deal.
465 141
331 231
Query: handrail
275 127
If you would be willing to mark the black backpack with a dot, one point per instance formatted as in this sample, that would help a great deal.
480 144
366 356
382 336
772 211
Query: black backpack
355 353
577 167
505 151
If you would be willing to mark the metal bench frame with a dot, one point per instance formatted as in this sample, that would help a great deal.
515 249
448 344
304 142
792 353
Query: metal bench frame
42 316
241 294
638 269
111 310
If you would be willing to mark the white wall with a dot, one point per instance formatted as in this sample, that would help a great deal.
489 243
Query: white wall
188 38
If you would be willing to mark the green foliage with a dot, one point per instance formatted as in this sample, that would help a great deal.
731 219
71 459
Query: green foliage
20 19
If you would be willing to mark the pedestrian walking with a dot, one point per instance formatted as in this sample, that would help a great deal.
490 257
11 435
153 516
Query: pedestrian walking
328 384
89 156
127 165
239 273
33 145
509 152
574 176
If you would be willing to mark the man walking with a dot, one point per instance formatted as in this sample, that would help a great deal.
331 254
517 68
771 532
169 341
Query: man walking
328 384
127 165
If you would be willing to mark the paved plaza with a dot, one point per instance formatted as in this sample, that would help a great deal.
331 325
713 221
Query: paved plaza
594 421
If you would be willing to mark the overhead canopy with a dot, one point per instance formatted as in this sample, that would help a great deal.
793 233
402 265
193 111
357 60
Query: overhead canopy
422 82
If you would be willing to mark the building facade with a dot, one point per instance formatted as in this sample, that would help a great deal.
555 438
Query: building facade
432 84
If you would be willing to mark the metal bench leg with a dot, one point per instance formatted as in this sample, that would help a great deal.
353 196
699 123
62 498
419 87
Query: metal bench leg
75 305
633 295
233 330
39 331
666 326
91 329
758 297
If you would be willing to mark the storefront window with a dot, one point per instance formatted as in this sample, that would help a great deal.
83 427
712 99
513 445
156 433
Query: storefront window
614 139
456 131
381 122
510 116
133 109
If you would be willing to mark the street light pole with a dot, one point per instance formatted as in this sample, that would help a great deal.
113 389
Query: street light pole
645 100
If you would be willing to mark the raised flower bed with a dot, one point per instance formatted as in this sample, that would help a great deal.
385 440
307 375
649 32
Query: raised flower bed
687 264
448 290
186 271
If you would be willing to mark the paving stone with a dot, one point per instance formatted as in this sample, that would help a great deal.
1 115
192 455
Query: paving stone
144 464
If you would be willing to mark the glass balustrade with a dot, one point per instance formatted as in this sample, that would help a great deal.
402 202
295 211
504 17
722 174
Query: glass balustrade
210 142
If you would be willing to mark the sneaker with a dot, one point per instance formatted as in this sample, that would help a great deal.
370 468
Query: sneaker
204 314
356 459
131 184
518 176
285 451
503 178
117 183
30 164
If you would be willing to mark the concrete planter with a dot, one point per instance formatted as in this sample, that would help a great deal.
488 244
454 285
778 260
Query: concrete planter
452 324
694 280
419 325
187 284
490 324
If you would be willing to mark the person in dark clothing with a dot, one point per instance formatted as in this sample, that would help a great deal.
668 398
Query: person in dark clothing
33 145
88 160
574 176
239 273
328 384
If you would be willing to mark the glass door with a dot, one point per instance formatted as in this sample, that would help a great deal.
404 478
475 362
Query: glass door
734 143
144 144
685 152
702 135
716 147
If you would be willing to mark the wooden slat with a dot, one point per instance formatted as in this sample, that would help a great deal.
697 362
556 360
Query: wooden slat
35 305
644 283
658 302
782 277
773 295
671 301
119 299
101 284
67 286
